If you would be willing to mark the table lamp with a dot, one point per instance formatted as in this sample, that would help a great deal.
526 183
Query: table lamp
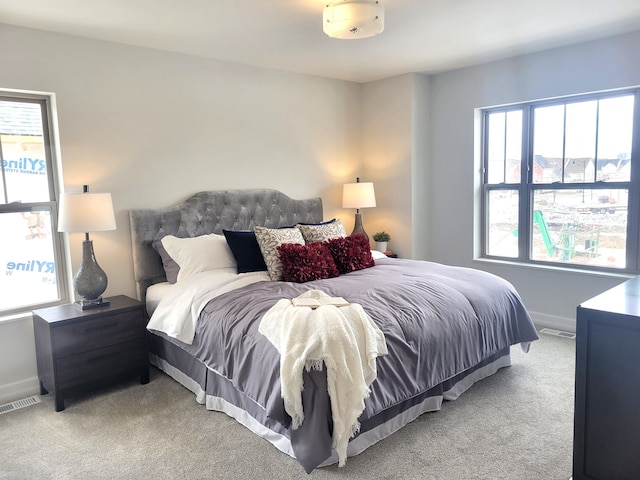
87 212
358 195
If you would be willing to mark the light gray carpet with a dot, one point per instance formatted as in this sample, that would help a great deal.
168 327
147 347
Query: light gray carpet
516 425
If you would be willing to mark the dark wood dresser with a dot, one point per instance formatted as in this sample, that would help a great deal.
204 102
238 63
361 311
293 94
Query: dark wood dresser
607 392
78 349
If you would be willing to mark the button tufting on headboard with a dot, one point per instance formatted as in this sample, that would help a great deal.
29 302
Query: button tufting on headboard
210 212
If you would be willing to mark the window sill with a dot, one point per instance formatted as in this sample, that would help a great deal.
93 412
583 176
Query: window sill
15 317
558 268
20 315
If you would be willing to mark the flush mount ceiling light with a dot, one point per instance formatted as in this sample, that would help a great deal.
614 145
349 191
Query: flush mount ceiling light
353 19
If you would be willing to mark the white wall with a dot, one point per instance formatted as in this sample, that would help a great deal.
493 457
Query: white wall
454 170
421 146
395 118
17 354
153 127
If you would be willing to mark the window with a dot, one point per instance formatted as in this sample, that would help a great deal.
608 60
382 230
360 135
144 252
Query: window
561 182
30 253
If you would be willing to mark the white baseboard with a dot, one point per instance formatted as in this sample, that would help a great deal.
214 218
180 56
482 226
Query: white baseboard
17 390
543 320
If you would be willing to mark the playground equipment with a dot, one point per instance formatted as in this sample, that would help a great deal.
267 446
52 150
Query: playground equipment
568 246
570 240
538 219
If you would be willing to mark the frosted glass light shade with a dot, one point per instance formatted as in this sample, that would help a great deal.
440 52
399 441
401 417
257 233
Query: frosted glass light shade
348 19
358 195
86 212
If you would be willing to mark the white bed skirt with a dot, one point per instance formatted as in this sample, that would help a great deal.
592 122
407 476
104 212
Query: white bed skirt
358 444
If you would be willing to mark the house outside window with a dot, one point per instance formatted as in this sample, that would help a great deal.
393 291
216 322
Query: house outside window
32 273
560 182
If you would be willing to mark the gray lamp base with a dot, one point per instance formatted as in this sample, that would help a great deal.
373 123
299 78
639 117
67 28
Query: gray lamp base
90 282
357 227
84 304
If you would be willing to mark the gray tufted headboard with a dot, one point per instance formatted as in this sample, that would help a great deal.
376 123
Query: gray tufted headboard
210 212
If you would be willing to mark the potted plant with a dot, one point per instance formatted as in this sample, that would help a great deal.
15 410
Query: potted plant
381 239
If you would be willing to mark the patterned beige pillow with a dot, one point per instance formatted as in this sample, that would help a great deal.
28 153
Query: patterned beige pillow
269 239
322 231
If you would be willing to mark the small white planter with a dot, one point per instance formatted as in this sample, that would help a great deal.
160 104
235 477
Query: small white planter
381 246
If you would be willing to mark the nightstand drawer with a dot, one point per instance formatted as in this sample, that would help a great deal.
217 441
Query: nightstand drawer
100 332
92 365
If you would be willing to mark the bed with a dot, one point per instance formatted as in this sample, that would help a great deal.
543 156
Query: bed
445 327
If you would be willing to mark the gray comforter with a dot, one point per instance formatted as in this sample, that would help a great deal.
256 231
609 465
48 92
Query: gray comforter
438 321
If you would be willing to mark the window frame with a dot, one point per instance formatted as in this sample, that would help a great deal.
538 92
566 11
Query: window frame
50 143
526 187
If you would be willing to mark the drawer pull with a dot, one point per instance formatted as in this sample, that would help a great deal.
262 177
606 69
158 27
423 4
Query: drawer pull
101 327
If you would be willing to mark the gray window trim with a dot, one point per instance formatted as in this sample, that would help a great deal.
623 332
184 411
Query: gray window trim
50 138
526 187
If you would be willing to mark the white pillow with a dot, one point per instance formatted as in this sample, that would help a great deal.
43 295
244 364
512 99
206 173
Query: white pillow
199 254
377 255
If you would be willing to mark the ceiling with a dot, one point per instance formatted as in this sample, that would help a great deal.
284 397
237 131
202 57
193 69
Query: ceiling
420 35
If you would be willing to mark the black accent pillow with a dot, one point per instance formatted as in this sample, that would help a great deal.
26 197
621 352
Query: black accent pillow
246 251
319 223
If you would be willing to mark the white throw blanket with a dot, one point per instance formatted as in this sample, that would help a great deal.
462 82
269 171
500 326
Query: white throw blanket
345 339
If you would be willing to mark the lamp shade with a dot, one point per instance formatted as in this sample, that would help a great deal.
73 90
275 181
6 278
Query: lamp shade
353 19
86 212
358 195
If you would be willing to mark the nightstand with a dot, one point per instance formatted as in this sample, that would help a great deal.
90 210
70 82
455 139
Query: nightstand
79 349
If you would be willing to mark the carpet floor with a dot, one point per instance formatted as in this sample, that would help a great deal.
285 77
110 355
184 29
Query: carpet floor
515 425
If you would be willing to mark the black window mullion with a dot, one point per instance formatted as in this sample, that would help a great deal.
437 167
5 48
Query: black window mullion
595 154
484 211
526 178
485 149
584 186
504 149
564 141
633 208
47 150
485 220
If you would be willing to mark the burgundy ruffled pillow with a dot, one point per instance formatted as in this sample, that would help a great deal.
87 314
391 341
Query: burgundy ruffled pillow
351 253
303 263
